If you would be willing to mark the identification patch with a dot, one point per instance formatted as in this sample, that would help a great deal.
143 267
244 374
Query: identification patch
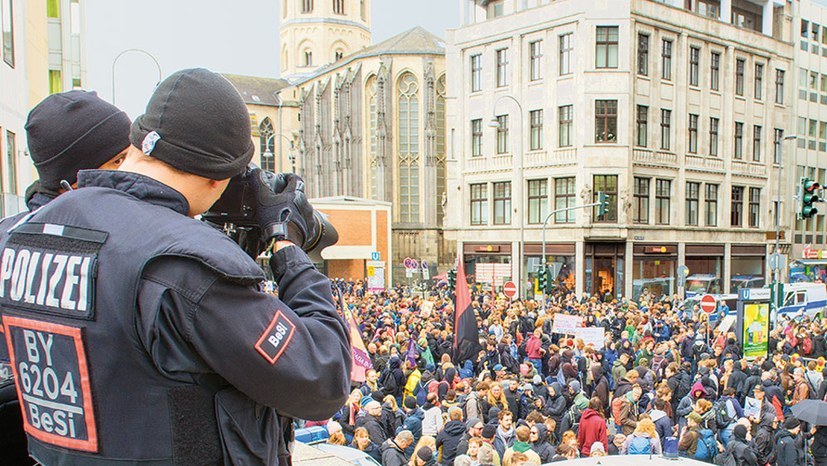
50 366
275 339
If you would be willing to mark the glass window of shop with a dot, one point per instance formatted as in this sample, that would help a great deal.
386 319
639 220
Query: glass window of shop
654 272
563 267
747 266
705 269
488 270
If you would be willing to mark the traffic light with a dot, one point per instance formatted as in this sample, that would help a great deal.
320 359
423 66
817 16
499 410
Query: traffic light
808 195
549 281
452 278
542 278
602 204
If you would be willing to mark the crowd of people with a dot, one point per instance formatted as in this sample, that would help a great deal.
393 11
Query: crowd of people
665 381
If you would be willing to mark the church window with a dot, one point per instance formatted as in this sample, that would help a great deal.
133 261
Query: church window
267 148
308 58
339 55
408 137
339 7
441 183
372 138
307 6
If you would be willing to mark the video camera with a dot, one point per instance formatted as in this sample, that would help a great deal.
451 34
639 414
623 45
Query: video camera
235 213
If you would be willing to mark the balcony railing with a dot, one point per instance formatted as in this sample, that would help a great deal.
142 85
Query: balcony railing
654 158
704 163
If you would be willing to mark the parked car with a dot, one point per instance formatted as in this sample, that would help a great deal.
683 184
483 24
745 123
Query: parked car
701 284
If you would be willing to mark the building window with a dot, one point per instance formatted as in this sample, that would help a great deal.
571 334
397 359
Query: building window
564 197
371 89
267 146
663 194
711 205
666 129
778 138
693 134
476 73
694 65
476 138
693 198
737 213
53 8
759 81
479 204
739 76
606 47
805 28
566 53
643 54
363 10
537 201
605 121
307 6
10 170
502 67
55 81
666 59
608 185
536 117
713 136
502 134
495 9
642 123
739 141
308 58
641 212
502 203
756 143
536 51
566 116
754 207
715 71
779 86
339 7
7 16
408 161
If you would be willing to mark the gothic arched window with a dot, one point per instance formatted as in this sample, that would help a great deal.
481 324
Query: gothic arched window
308 57
307 6
267 146
440 139
339 7
408 137
372 137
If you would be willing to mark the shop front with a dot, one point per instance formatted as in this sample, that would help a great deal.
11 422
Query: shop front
604 271
560 257
654 270
488 265
706 267
811 267
747 266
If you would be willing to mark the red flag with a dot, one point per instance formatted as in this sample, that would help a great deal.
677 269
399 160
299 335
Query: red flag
466 335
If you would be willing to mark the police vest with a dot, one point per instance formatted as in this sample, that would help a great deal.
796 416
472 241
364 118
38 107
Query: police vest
68 286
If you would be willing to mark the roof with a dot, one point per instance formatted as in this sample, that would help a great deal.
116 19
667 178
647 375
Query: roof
416 41
256 90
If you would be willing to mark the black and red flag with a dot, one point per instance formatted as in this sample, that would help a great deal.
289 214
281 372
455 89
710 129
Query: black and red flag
466 336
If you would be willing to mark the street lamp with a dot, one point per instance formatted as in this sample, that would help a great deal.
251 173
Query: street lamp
115 61
776 274
494 123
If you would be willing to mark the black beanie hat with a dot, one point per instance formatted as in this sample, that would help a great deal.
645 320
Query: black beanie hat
740 431
791 423
424 453
72 131
410 402
196 122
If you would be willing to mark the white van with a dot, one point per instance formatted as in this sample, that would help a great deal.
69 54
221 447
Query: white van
802 299
701 284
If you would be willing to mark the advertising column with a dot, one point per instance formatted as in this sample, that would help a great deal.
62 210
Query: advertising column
754 321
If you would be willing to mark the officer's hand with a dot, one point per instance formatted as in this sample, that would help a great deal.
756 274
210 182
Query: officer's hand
285 215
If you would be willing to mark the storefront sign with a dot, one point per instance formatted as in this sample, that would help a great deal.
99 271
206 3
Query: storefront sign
656 250
756 329
488 248
591 336
564 323
810 253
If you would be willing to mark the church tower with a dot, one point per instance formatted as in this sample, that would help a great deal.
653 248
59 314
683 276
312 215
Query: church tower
314 33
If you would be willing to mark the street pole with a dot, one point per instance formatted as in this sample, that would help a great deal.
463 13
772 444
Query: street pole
545 224
777 271
519 164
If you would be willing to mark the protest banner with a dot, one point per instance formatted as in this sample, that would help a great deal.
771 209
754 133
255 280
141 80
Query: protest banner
591 336
564 323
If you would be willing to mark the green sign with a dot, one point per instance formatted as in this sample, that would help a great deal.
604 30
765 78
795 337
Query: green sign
756 329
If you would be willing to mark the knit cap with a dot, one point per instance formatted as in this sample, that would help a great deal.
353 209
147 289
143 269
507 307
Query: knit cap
196 122
73 131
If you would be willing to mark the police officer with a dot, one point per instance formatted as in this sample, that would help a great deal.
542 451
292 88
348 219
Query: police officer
66 132
140 334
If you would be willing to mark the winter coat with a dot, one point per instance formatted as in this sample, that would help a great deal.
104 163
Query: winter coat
601 386
542 447
764 439
663 424
432 421
655 444
789 453
743 453
819 447
503 440
628 416
618 372
413 423
592 429
513 399
376 431
448 439
372 450
736 381
392 455
622 387
556 406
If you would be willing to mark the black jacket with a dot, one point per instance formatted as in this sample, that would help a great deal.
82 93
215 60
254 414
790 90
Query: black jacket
542 446
819 446
392 455
743 452
448 439
789 453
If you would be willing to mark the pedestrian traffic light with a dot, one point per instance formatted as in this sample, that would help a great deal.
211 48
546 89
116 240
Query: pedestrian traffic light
808 195
602 204
452 278
549 281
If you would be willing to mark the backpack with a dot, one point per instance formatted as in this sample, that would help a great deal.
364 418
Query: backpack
571 419
423 391
617 405
707 446
640 446
726 459
388 382
812 393
722 417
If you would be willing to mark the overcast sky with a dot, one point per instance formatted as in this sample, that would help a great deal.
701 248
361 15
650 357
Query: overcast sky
238 37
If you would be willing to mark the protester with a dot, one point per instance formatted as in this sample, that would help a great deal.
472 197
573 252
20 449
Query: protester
393 450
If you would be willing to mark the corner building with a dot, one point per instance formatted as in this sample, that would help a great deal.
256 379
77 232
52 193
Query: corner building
675 109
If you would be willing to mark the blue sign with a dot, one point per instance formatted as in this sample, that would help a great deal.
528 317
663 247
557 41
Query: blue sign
424 265
375 256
